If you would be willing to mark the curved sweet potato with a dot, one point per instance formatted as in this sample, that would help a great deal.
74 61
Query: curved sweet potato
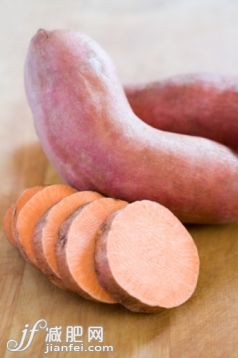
203 105
46 232
96 142
146 259
75 249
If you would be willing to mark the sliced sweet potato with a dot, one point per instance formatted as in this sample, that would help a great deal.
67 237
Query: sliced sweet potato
46 232
75 248
32 211
146 258
9 221
26 195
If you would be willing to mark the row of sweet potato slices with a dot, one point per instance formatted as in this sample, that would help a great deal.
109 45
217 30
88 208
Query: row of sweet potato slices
107 250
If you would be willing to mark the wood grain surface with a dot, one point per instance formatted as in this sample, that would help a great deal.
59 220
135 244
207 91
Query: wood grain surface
147 39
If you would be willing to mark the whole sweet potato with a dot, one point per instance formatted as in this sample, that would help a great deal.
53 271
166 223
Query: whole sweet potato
96 142
203 105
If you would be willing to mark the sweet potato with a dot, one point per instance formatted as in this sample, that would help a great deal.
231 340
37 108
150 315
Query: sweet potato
9 221
31 213
96 142
203 105
46 232
146 258
142 257
76 248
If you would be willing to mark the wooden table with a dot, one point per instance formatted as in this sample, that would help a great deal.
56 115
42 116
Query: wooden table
147 40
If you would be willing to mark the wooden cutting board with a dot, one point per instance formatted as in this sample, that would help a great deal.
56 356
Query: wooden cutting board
147 40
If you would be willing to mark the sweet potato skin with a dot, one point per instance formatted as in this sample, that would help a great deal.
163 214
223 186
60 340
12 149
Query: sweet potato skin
66 278
52 220
66 263
117 153
39 256
203 105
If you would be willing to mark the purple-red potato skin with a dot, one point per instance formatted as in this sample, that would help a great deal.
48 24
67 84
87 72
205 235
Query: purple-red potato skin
204 105
90 133
46 232
76 248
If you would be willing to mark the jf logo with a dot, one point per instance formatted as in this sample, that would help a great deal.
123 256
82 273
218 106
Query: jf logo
24 343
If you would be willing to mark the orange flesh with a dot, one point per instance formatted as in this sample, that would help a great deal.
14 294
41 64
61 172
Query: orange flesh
32 212
151 255
25 196
9 222
80 246
55 218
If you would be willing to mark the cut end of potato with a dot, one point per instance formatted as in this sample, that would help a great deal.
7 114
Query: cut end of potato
76 256
146 258
31 213
105 249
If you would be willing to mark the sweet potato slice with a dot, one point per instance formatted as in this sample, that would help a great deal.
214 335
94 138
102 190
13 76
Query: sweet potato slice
9 221
32 211
46 232
146 258
25 196
75 248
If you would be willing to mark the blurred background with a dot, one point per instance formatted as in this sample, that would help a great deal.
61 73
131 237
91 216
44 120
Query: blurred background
147 39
